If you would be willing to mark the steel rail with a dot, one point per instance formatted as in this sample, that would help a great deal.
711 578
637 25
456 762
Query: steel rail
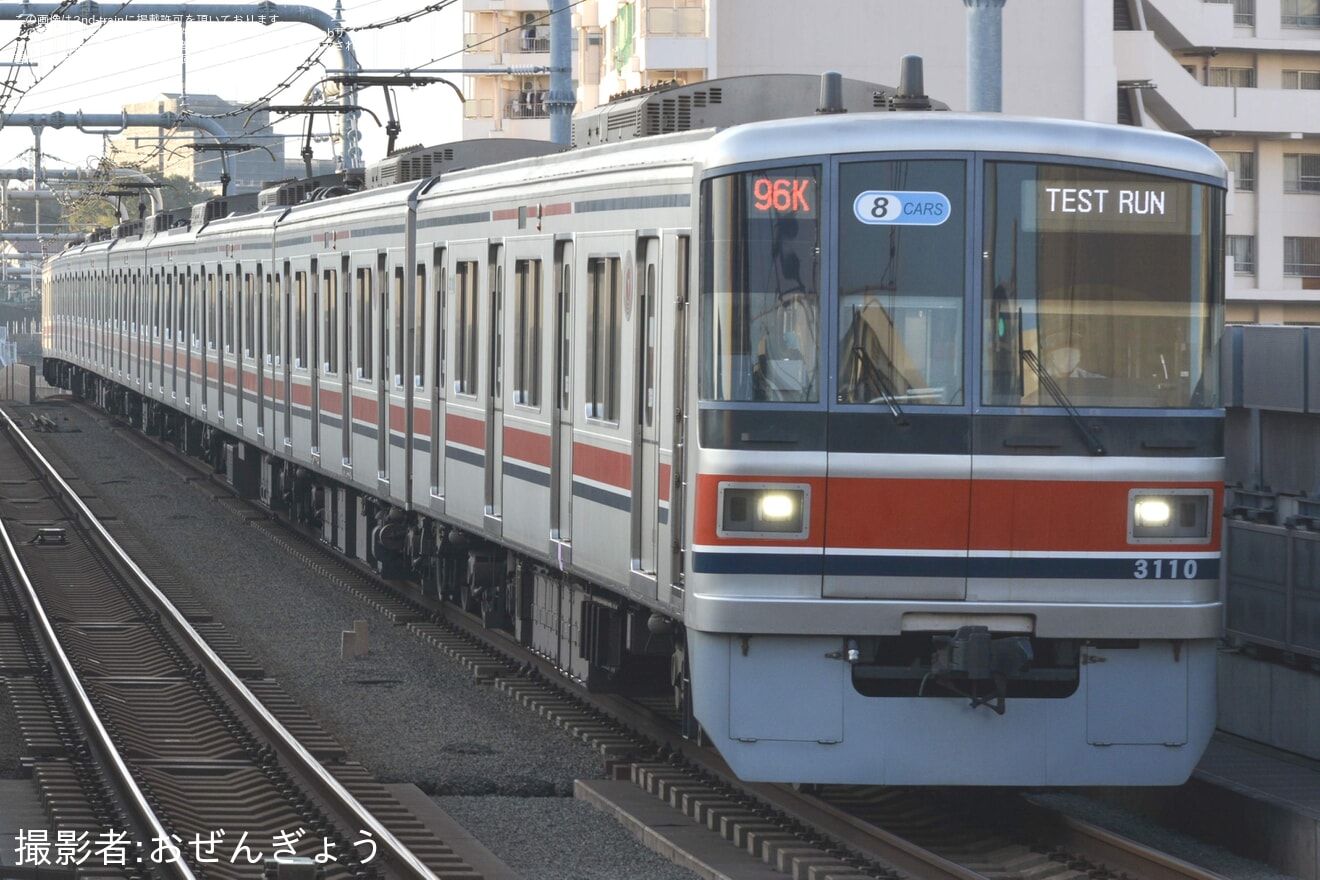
134 800
398 855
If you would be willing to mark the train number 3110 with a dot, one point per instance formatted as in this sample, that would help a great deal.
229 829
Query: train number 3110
1166 569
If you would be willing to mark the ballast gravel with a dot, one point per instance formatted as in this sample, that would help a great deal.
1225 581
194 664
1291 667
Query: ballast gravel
405 711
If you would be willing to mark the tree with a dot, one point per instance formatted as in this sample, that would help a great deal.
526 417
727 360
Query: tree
88 213
180 192
94 211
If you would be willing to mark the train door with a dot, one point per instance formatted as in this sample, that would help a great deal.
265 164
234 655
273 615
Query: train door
561 432
188 328
679 407
287 350
495 386
204 308
897 510
438 331
174 285
381 368
141 338
315 364
646 440
396 380
345 331
230 401
223 339
263 353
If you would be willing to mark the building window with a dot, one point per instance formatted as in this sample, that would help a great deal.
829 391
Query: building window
1301 172
1243 166
676 18
1301 257
1242 248
1300 13
1244 11
1239 77
1301 79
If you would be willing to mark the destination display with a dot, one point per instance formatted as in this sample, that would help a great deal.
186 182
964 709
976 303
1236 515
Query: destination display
780 194
1143 206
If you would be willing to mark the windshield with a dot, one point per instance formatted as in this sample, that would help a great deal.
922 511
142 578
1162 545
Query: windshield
760 292
902 234
1106 280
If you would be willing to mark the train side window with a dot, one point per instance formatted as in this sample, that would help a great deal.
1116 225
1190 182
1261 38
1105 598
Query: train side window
229 326
274 324
418 328
563 342
181 314
497 323
466 327
648 376
135 303
300 319
249 315
396 303
604 329
438 322
213 306
164 290
330 293
527 330
365 322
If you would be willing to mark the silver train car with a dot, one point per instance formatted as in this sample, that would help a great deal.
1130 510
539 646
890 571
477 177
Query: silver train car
890 444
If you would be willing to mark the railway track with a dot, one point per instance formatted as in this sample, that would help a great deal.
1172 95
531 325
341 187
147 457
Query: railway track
841 832
155 753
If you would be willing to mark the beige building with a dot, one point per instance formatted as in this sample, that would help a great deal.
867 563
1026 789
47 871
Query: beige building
1241 75
185 152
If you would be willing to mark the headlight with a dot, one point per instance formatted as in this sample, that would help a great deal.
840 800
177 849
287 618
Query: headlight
779 506
762 510
1169 516
1151 513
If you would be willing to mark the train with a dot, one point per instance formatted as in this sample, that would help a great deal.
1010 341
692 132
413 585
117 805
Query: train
886 440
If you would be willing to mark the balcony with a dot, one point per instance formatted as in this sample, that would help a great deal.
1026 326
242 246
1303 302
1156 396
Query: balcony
526 105
1287 25
1180 103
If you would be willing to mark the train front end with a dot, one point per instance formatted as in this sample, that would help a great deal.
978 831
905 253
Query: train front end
957 467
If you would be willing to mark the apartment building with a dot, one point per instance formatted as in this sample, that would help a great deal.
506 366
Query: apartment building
1241 75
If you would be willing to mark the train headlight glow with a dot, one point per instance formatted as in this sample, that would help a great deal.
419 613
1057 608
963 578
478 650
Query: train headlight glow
1169 516
1151 512
764 510
778 506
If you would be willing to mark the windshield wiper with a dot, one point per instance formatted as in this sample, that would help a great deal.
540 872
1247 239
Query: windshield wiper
886 392
1046 380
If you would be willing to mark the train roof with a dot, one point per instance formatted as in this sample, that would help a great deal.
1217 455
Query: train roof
735 100
961 132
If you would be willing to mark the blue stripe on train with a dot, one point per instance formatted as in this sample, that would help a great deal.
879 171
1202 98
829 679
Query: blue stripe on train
1127 568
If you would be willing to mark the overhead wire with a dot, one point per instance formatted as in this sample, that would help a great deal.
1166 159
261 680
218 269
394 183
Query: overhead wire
10 89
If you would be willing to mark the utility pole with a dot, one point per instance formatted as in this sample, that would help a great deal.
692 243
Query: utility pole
561 101
985 55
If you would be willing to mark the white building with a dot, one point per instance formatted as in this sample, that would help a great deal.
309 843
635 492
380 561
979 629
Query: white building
1241 75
